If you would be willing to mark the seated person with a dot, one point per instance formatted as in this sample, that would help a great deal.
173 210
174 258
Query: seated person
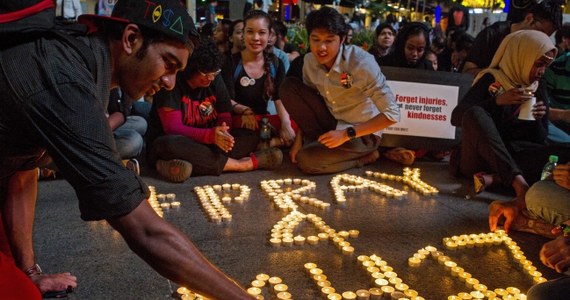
544 16
409 48
340 114
194 123
253 76
546 206
496 146
556 77
385 36
128 130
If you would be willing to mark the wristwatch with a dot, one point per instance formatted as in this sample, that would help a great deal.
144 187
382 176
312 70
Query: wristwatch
351 132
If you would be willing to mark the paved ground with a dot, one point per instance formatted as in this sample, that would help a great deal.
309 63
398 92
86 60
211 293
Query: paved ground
392 229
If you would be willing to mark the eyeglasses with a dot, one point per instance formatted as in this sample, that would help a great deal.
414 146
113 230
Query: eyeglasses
210 75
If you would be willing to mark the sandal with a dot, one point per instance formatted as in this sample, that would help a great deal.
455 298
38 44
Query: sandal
526 223
401 155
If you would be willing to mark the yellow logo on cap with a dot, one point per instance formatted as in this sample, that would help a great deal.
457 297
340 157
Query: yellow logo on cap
156 13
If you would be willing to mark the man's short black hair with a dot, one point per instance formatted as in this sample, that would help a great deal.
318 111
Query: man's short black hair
550 10
326 18
280 28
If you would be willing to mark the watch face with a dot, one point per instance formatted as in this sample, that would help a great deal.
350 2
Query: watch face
351 132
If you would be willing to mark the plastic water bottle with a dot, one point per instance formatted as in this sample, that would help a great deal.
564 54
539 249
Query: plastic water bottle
265 133
549 168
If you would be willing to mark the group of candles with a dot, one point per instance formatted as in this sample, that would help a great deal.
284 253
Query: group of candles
478 290
159 202
386 280
282 232
357 184
214 206
286 198
274 284
410 177
383 290
187 294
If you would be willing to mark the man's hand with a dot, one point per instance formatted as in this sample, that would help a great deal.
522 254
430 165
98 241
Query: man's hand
54 282
556 253
333 138
498 209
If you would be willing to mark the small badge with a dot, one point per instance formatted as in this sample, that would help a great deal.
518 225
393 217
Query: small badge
346 80
206 108
496 89
246 81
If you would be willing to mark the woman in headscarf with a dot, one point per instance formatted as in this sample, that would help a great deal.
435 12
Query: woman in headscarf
497 147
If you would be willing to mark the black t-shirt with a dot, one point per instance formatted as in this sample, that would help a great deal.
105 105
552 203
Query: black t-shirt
200 107
487 42
249 91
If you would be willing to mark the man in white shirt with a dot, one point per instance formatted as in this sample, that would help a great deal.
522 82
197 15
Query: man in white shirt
68 9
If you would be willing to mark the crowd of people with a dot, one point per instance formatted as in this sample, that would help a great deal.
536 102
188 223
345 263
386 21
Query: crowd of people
235 98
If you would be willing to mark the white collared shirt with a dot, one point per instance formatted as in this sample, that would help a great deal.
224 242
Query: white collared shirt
368 95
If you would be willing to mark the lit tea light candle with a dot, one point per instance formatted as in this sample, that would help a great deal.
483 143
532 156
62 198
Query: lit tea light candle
401 287
375 293
274 281
323 283
320 277
463 276
323 236
397 295
308 266
513 290
477 295
387 290
316 271
183 291
287 241
165 205
380 282
395 280
539 279
455 271
334 296
349 295
280 287
353 233
312 240
411 293
258 283
362 295
262 277
226 186
480 287
470 282
414 262
327 290
283 295
450 264
347 250
299 240
254 291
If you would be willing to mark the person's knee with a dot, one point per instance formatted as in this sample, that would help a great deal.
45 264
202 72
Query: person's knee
289 88
557 289
308 164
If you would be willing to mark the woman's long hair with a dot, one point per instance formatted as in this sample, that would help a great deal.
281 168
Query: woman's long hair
268 57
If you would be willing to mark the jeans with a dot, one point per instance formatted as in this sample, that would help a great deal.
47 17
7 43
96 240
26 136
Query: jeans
129 137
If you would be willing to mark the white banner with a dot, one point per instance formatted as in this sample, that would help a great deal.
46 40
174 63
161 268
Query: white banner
425 109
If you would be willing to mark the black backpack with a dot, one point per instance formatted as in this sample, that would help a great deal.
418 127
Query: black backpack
25 20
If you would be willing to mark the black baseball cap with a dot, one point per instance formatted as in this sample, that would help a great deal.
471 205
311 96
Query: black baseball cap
167 16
